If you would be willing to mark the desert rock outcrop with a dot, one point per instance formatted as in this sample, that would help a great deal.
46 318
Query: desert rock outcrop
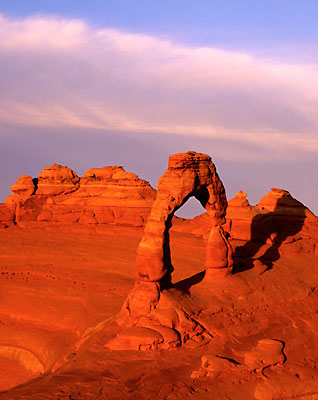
107 195
24 186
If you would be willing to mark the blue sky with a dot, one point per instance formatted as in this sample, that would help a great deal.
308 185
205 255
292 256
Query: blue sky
88 84
236 24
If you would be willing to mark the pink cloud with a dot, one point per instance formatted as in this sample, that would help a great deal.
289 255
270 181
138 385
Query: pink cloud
58 72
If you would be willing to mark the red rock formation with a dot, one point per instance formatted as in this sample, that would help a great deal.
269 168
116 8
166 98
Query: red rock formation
157 319
239 200
239 216
280 201
277 213
188 174
24 186
58 196
277 204
22 189
57 179
7 215
279 222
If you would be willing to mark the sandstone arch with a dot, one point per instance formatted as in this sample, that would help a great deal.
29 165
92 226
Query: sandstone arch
188 174
151 317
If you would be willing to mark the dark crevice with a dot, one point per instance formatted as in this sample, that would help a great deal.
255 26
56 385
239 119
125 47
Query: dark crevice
229 359
35 183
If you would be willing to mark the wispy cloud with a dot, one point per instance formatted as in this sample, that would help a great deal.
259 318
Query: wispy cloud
65 73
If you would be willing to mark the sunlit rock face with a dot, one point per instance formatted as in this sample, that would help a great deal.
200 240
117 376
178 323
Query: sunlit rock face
188 174
107 195
24 186
55 180
157 319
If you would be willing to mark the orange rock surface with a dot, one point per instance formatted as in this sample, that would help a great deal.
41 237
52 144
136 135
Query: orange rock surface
107 195
251 335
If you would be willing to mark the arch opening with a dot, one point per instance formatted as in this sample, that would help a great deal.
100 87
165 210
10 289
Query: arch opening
184 247
190 209
199 197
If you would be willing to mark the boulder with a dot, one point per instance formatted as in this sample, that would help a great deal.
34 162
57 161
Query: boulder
24 186
57 179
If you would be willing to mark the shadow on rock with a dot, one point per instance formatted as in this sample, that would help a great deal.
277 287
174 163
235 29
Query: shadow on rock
271 230
186 284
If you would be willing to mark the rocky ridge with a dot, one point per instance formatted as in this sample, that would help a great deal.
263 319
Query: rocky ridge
58 196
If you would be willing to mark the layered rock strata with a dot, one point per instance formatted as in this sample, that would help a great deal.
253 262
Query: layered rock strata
107 195
188 174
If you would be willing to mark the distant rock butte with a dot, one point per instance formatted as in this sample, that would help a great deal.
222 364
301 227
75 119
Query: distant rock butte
107 195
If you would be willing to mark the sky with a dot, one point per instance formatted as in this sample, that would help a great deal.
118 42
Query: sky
89 84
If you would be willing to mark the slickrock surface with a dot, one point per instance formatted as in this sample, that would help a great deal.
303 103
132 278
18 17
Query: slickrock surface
107 195
60 289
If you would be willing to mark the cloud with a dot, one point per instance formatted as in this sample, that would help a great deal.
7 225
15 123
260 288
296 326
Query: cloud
64 73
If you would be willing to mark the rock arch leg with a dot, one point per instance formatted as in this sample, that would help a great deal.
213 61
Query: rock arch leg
219 254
